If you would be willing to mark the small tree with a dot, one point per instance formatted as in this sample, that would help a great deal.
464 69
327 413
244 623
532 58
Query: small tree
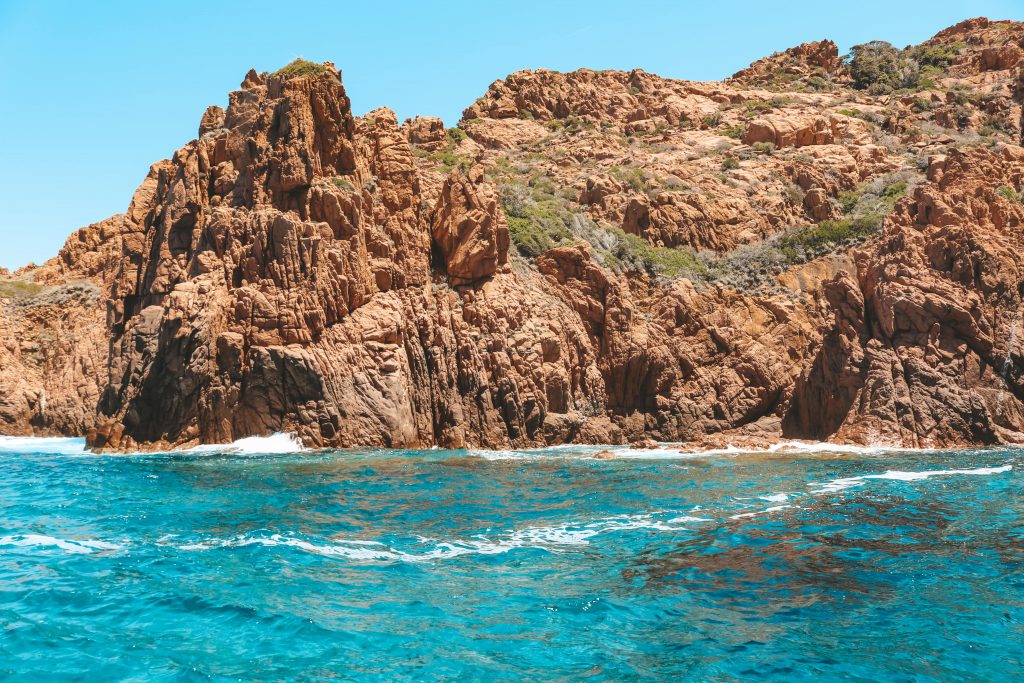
876 65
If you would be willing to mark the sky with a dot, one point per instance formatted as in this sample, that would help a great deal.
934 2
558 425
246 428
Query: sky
93 93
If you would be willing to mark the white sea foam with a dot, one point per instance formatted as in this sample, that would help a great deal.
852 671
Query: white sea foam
83 546
279 442
799 447
776 498
849 482
774 508
672 451
35 444
550 538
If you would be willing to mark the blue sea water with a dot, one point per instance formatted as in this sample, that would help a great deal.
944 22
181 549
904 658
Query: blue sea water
510 566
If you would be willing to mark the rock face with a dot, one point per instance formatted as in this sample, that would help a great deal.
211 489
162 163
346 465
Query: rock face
469 229
356 282
288 279
814 59
926 346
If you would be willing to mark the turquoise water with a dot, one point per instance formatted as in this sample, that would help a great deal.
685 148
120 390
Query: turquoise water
440 565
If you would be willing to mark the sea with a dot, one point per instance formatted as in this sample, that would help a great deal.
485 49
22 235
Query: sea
263 561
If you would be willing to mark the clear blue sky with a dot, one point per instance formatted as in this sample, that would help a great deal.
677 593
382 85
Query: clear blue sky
93 93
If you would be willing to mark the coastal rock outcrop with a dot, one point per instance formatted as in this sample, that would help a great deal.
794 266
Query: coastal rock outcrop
926 346
595 256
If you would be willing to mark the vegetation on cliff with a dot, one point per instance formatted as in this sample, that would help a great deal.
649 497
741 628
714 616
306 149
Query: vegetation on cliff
300 67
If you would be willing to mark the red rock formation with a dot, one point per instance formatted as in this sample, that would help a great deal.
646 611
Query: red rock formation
426 132
286 281
925 348
816 58
352 281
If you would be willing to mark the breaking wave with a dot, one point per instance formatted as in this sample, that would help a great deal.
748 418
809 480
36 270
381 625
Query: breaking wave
549 538
844 483
279 442
84 546
42 444
679 451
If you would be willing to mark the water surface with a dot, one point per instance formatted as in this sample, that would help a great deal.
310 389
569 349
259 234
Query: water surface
542 565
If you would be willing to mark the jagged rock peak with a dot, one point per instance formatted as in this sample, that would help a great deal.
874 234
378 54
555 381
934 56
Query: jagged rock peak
812 59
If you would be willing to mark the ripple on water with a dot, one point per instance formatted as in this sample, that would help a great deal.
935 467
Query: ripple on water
450 565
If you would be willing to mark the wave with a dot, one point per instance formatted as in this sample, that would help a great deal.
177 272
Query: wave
279 442
70 546
849 482
42 444
844 483
670 450
548 538
553 538
774 508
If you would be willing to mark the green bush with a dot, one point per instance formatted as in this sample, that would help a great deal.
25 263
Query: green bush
537 219
734 131
665 261
815 240
937 56
514 199
880 68
636 179
447 160
457 135
712 120
343 183
1008 192
875 64
818 83
301 67
730 163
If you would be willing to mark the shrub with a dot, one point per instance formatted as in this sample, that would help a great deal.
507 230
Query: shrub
763 147
514 198
734 131
937 56
537 221
998 122
300 67
815 240
730 163
818 83
1008 192
892 193
712 120
457 135
666 261
636 179
757 106
880 68
342 183
448 160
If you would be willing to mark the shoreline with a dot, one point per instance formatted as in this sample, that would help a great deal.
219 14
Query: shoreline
284 444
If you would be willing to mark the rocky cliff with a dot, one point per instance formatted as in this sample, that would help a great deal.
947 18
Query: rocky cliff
819 247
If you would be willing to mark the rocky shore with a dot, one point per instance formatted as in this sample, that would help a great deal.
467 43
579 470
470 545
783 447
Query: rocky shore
818 248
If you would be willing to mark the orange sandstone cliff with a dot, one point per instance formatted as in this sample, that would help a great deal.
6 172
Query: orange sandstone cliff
820 247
